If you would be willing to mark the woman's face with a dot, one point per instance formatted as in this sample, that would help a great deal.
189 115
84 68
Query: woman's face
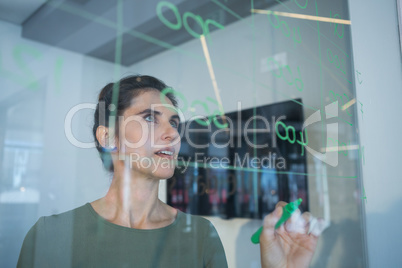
148 135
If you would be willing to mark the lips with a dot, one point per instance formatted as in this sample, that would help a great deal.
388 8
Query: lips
167 152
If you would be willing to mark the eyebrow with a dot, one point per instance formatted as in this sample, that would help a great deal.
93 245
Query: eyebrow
150 111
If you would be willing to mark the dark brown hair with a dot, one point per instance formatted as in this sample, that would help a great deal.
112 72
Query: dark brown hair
128 88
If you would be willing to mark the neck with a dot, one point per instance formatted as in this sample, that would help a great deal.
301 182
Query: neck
132 201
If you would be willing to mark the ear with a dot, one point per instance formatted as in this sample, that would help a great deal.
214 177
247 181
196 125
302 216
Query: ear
104 138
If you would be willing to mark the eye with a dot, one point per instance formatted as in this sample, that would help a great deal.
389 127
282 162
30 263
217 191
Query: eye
149 118
174 124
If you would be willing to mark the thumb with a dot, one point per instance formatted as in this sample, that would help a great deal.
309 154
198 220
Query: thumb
269 223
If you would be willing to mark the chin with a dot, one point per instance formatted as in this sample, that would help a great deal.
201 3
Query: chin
164 174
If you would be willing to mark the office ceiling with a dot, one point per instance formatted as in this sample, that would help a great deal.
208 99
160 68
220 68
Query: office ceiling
90 27
17 11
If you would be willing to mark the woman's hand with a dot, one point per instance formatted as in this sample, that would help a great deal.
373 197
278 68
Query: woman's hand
291 245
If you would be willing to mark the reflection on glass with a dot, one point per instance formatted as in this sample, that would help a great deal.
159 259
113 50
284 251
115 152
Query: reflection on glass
246 178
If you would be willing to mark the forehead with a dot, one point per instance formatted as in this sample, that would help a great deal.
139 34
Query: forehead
151 99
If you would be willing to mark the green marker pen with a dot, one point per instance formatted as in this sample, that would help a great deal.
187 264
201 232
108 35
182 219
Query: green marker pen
287 212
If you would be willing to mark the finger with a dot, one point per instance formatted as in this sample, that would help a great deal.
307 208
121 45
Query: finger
281 204
269 222
318 227
307 218
312 224
296 223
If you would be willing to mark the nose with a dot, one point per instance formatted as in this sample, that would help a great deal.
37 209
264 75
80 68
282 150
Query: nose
169 132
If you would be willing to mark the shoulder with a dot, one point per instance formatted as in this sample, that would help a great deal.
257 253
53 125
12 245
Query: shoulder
46 237
193 220
79 211
61 221
198 224
66 218
208 239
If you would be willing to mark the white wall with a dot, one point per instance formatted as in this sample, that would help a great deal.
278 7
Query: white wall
69 176
56 176
377 57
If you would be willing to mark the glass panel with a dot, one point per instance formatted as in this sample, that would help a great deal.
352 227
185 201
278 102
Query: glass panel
285 67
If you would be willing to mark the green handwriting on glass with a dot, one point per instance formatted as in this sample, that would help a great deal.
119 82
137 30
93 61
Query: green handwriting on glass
25 76
290 135
339 63
364 195
342 145
343 148
205 121
291 80
358 77
297 3
336 97
27 73
180 22
285 29
336 25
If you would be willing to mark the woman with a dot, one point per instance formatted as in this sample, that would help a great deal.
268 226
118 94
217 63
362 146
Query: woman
130 226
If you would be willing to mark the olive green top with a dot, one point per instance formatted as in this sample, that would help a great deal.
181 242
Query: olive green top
82 238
